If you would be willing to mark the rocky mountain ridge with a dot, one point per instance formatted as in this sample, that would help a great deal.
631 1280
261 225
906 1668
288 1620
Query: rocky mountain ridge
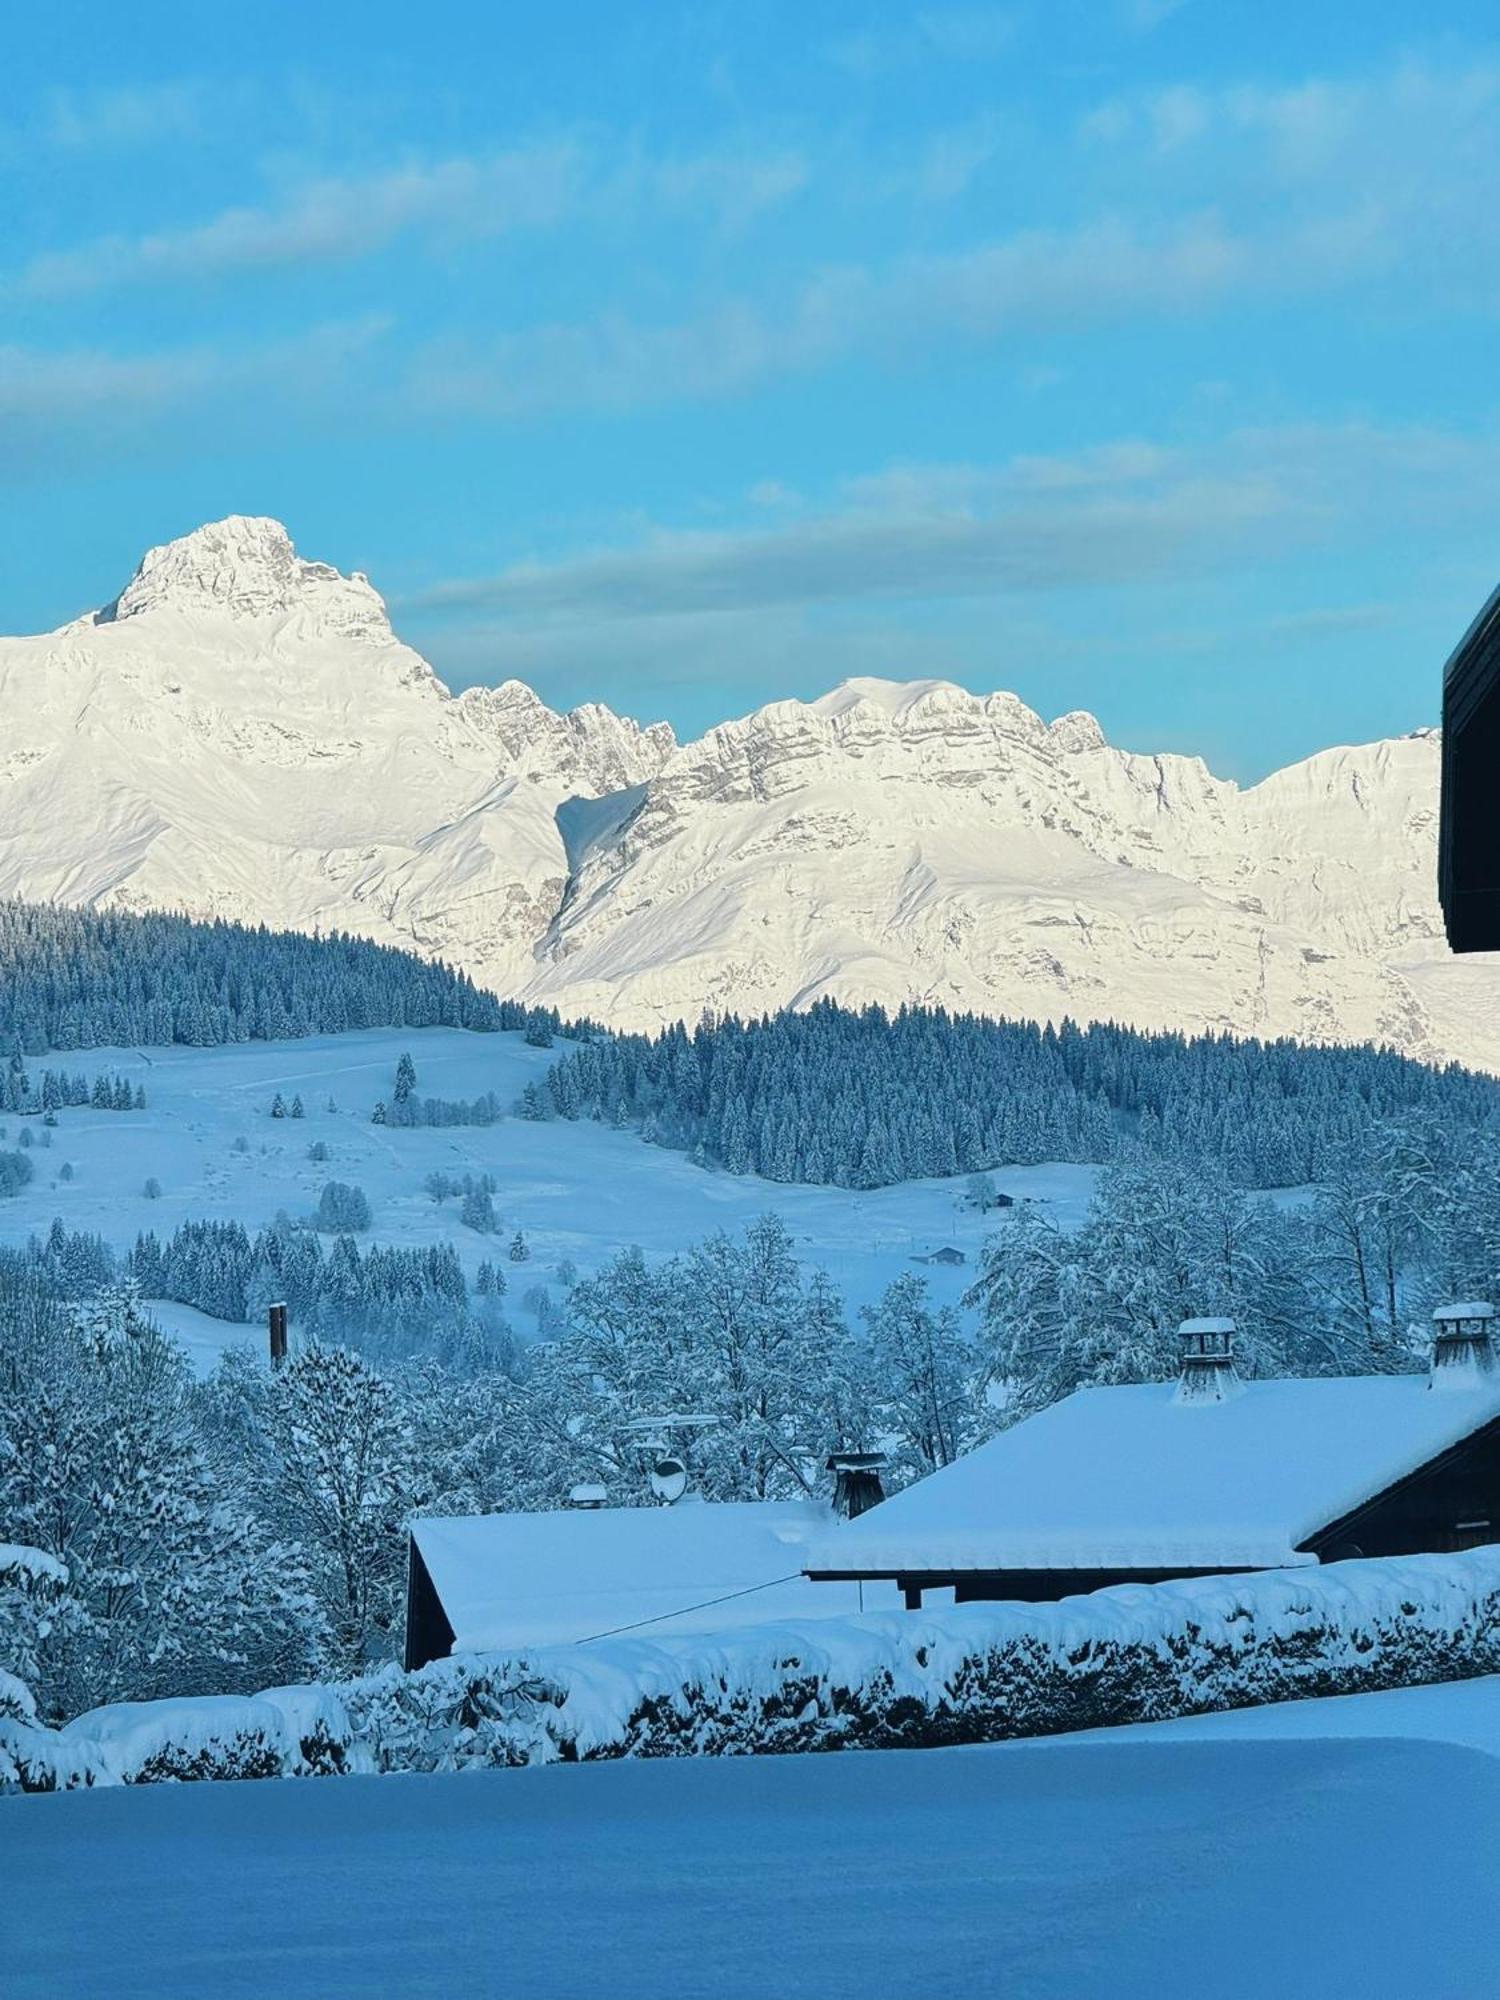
241 733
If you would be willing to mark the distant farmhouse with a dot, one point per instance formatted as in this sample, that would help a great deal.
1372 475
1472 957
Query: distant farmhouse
1206 1476
947 1255
486 1583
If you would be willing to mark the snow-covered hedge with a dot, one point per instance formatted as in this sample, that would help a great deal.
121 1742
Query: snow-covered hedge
977 1673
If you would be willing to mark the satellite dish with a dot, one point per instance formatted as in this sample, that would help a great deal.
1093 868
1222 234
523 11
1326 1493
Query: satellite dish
668 1479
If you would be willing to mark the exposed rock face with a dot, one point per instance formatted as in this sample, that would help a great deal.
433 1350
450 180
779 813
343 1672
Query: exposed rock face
242 733
916 842
246 567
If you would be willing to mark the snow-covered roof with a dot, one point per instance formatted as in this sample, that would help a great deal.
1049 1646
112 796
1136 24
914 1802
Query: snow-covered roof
1129 1477
530 1579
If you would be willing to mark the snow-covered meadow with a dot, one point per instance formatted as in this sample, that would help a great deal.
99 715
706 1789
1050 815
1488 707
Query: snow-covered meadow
579 1192
1061 1872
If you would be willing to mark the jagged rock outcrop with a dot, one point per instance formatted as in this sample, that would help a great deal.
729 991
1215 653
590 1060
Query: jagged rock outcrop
917 842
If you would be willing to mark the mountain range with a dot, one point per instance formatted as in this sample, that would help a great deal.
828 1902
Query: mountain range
241 733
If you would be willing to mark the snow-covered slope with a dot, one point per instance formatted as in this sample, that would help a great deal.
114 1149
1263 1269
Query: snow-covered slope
917 842
242 733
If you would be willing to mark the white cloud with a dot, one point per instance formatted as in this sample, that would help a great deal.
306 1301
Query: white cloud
323 221
1322 132
337 219
1043 281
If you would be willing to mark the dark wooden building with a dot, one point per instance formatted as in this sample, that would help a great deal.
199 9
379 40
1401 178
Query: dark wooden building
1205 1476
1469 835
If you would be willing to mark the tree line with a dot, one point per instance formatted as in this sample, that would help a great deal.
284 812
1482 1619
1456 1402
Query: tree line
75 979
861 1099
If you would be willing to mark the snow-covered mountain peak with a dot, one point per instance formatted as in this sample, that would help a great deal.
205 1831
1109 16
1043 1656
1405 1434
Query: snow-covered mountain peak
1076 731
246 567
890 698
242 733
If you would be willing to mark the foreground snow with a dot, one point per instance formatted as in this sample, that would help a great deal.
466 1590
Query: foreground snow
579 1192
1461 1712
1106 1869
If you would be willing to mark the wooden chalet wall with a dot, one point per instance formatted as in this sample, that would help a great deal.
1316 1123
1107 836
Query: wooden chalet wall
429 1636
1453 1502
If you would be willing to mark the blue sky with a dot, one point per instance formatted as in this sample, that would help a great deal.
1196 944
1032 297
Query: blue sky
1137 356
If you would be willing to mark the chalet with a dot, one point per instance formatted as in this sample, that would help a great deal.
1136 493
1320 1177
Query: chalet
947 1255
1206 1476
486 1583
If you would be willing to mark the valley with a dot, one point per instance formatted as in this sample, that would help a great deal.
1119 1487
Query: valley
578 1192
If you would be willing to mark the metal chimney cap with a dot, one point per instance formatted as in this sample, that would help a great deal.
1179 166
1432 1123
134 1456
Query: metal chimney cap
1466 1309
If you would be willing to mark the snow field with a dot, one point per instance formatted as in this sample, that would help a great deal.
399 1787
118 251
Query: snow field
1462 1712
578 1191
1221 1871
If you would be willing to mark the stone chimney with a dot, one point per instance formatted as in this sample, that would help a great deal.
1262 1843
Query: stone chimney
1208 1371
856 1481
1463 1352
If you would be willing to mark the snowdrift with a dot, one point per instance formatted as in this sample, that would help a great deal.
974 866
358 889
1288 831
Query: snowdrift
971 1674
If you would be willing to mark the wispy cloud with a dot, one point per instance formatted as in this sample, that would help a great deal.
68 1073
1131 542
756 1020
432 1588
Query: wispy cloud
1144 17
51 398
1413 120
124 115
1125 514
947 531
337 219
325 221
1302 193
1042 281
967 34
946 34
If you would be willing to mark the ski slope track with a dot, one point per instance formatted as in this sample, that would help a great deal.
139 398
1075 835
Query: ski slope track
242 734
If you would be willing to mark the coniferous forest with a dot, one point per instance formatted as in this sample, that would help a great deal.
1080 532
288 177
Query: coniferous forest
835 1096
79 979
864 1100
